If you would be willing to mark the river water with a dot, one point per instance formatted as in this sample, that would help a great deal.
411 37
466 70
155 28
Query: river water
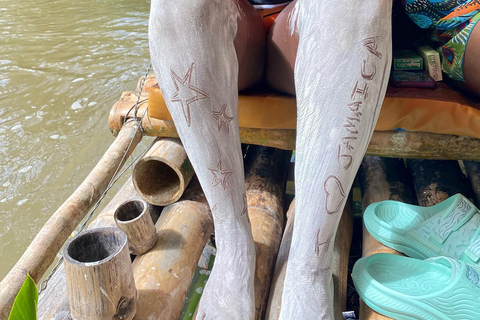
63 64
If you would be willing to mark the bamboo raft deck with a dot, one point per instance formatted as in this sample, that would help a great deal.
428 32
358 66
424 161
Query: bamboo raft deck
415 181
184 225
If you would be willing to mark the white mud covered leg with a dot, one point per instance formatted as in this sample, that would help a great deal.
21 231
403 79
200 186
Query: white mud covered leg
341 75
194 59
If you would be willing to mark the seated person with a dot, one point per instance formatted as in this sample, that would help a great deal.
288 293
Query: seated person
335 56
454 23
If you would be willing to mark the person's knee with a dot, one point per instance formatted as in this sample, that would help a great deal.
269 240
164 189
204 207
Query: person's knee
203 14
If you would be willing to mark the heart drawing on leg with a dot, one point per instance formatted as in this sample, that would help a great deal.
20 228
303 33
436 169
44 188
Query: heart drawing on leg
335 194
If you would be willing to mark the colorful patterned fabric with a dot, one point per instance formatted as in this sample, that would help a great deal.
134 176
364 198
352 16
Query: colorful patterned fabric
453 22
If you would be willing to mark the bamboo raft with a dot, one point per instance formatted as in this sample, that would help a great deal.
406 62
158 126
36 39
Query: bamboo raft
164 181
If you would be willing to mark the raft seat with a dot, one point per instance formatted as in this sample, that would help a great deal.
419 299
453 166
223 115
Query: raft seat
413 123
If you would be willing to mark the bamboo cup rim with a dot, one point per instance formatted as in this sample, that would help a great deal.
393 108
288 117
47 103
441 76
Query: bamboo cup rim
91 240
139 205
165 187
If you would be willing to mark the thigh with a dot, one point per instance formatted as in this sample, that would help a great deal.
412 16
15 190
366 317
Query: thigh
282 44
471 63
249 45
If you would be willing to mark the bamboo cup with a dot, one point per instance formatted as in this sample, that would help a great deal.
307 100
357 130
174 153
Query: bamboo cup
100 283
162 175
134 218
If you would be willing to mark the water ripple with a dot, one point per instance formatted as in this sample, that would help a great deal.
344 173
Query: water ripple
63 64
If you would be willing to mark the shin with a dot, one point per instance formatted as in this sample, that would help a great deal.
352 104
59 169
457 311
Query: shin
341 74
194 58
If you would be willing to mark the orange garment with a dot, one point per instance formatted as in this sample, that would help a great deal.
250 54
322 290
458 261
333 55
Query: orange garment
269 15
443 111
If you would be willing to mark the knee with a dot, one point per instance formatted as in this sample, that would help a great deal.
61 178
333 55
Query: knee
205 14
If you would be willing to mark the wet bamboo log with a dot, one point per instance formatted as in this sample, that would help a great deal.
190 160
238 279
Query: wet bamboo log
266 171
45 246
340 262
99 273
381 179
282 139
472 169
163 275
397 144
423 145
276 288
162 175
435 181
145 85
53 301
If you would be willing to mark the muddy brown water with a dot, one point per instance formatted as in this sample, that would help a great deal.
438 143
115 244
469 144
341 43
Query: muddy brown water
63 64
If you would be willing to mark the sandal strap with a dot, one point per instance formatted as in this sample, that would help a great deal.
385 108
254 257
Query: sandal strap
454 220
473 250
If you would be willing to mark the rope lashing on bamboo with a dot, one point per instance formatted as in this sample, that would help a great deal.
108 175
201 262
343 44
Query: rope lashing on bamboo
115 176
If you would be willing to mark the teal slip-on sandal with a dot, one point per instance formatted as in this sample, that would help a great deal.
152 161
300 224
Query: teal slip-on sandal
405 288
450 228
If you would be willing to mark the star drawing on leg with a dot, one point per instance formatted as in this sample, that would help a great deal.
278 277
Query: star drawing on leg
220 175
222 118
186 92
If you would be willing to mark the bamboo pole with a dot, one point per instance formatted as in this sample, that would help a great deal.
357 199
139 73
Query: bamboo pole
423 145
163 275
266 171
162 175
53 301
435 181
340 262
381 179
100 280
43 249
397 144
277 138
472 169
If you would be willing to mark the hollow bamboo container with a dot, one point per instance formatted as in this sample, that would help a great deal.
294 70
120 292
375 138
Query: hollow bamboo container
266 171
134 218
163 274
340 261
53 301
100 282
381 179
163 174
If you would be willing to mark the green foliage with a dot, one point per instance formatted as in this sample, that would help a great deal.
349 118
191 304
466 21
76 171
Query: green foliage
25 305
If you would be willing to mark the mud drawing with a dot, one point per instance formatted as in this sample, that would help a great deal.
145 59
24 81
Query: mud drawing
220 175
335 194
186 93
222 118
